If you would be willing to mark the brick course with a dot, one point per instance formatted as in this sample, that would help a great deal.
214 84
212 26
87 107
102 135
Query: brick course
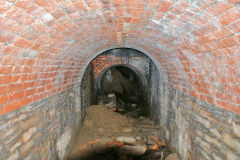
127 57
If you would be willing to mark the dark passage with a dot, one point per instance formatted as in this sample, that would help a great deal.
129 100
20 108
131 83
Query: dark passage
120 125
122 90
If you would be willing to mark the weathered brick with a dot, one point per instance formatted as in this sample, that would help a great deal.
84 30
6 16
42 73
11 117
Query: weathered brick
203 121
26 148
15 146
194 43
215 133
4 6
8 132
164 6
28 123
24 43
16 96
219 8
28 134
19 118
232 156
6 37
236 129
20 16
27 5
208 115
11 139
212 140
113 58
4 99
45 147
235 26
231 141
229 16
11 106
14 156
227 42
205 155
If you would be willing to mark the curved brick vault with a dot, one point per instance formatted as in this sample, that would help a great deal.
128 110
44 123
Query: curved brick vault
136 61
45 43
46 46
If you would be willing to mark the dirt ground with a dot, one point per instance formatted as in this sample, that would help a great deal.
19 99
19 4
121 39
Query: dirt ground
102 127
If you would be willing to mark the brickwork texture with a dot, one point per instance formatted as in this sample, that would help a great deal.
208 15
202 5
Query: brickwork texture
45 46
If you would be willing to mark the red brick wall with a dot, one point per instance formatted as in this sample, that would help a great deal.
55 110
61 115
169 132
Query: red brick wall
108 59
101 62
45 43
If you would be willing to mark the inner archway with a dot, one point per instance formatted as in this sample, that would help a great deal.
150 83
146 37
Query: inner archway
126 84
131 75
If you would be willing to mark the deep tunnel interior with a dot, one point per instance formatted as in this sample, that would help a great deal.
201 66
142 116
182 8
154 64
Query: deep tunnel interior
128 85
187 51
125 84
128 75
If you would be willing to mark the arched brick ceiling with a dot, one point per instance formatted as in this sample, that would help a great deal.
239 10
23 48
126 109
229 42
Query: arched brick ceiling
45 43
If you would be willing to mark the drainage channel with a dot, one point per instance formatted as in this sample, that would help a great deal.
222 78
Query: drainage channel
109 135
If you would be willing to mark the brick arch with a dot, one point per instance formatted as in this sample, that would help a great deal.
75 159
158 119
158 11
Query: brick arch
137 71
141 76
196 43
106 60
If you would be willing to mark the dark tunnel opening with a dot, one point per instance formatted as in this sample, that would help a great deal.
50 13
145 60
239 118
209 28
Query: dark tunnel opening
123 89
123 79
120 92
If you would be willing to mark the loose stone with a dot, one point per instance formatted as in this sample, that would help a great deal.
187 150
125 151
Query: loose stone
126 140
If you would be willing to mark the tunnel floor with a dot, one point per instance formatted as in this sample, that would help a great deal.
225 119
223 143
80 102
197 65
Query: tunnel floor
109 135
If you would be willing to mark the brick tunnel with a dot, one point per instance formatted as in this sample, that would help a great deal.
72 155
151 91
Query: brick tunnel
47 45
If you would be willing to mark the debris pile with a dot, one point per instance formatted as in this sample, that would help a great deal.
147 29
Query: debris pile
114 103
121 90
108 135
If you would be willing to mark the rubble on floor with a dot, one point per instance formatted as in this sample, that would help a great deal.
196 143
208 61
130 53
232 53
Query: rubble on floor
108 135
114 103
